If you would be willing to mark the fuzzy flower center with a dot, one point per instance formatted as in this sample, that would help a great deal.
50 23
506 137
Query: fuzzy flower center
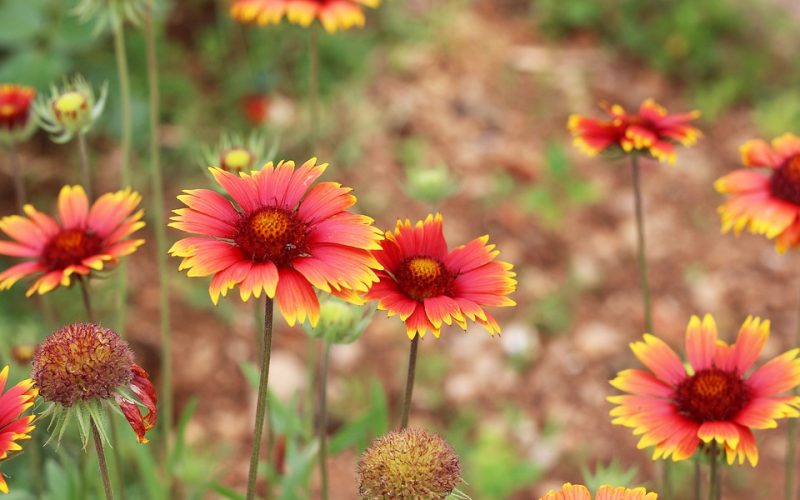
236 159
70 247
423 277
81 362
272 234
711 395
785 181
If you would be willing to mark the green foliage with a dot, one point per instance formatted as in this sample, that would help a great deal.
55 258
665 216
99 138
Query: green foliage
495 469
613 473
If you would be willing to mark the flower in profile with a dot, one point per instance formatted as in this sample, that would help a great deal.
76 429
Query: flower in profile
84 239
16 123
765 202
676 408
427 286
334 15
580 492
82 367
652 130
236 153
14 426
281 236
410 463
71 109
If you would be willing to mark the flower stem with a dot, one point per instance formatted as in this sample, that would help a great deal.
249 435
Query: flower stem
19 180
791 439
86 170
101 460
261 405
87 301
697 476
641 250
713 478
323 420
313 85
157 187
412 369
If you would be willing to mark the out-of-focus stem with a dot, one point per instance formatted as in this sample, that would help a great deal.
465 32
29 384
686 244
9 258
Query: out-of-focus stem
86 169
313 85
19 178
323 420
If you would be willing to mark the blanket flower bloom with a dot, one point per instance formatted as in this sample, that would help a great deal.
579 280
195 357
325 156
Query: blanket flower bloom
765 204
427 286
675 408
82 366
580 492
334 15
14 426
85 238
652 130
16 123
280 236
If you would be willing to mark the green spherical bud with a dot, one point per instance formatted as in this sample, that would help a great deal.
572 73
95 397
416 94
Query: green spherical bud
339 322
408 464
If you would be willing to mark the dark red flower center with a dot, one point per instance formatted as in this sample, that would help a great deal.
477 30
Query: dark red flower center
70 247
272 234
711 395
785 182
423 277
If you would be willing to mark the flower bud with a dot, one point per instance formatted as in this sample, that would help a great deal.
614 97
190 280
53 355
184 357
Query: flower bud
236 159
71 109
340 322
16 123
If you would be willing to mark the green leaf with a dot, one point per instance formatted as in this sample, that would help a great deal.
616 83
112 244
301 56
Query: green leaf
33 67
180 433
226 492
21 21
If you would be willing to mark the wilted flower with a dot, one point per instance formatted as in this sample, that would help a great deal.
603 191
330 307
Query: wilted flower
236 153
340 322
427 286
282 236
13 425
334 15
16 123
765 202
580 492
82 367
71 109
652 130
676 408
410 463
85 238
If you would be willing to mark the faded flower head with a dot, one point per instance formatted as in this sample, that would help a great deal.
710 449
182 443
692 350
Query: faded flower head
71 109
340 322
16 124
408 464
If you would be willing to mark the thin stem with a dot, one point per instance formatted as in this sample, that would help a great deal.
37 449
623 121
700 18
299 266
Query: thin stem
642 252
87 301
38 465
117 458
261 405
713 478
697 477
157 187
412 369
323 420
19 178
86 169
101 460
313 85
791 438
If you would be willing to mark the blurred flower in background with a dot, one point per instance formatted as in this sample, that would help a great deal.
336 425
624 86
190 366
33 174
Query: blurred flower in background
13 425
72 109
579 492
652 130
84 239
236 153
675 408
334 15
765 204
16 123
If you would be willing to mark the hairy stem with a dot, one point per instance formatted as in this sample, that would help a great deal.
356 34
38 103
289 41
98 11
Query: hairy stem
261 405
101 460
412 369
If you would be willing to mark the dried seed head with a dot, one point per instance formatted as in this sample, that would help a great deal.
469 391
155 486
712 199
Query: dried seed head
81 362
408 464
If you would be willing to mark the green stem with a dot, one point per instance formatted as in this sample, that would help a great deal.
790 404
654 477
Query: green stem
117 458
38 465
323 420
86 170
19 178
261 405
313 85
87 300
101 460
697 477
412 369
713 478
641 247
157 187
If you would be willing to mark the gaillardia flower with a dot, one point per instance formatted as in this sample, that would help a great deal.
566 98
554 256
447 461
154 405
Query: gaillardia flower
281 235
426 285
676 408
652 130
71 109
82 240
82 367
580 492
16 123
235 153
334 15
410 463
766 202
14 426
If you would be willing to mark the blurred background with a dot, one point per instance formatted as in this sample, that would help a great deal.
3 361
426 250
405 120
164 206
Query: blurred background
478 92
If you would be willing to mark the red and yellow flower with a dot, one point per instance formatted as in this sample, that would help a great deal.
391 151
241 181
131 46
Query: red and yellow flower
14 426
675 408
765 204
84 239
580 492
652 130
280 236
334 15
427 286
16 123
